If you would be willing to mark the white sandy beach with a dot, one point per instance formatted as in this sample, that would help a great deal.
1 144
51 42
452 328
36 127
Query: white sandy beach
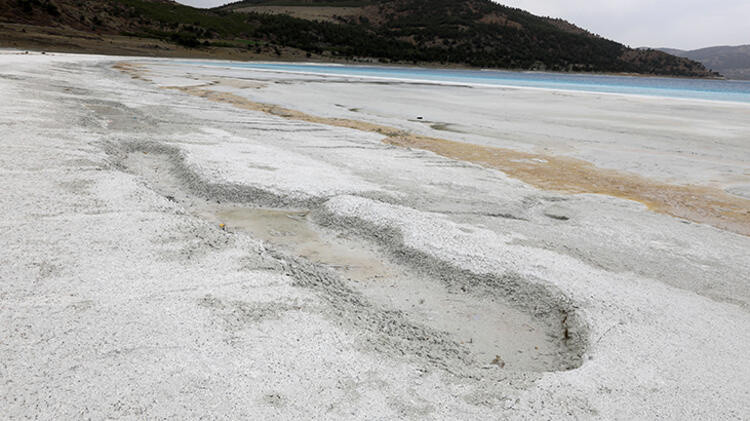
168 255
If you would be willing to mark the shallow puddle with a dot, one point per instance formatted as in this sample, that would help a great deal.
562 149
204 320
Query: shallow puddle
290 230
491 330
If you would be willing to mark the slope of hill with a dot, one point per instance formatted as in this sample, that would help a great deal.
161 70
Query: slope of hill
481 33
731 61
466 32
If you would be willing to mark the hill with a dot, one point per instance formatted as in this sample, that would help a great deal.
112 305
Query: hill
480 33
466 32
731 61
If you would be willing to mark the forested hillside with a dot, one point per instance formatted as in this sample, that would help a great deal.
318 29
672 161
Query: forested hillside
467 32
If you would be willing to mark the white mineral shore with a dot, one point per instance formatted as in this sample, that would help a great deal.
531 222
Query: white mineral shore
382 282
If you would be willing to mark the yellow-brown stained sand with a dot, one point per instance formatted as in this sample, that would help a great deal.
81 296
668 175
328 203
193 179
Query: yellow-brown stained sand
135 70
702 204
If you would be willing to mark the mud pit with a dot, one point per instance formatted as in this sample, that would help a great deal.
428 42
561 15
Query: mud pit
494 333
488 328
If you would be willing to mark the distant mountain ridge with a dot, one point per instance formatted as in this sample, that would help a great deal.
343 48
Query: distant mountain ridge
731 61
477 33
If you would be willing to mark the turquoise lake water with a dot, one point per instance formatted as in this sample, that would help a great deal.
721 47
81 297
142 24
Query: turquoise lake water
717 90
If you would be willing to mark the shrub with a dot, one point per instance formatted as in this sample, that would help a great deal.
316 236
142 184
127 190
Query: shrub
185 39
51 9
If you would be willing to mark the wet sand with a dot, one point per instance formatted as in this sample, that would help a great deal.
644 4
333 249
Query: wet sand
370 264
490 328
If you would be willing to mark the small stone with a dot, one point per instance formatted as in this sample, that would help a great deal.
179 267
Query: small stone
498 361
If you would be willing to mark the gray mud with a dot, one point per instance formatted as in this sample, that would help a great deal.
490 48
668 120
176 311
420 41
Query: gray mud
448 317
488 328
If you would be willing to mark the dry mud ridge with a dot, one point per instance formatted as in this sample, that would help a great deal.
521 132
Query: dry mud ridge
167 256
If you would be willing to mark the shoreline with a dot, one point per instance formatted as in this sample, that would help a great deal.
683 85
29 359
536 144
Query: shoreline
575 176
173 255
473 84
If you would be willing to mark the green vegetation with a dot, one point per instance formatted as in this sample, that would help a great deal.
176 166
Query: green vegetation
29 6
308 3
474 32
174 15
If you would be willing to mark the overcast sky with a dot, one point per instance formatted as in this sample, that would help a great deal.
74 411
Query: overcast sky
687 24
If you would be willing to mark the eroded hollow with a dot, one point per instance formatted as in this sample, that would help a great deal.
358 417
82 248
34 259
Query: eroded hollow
494 331
490 329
